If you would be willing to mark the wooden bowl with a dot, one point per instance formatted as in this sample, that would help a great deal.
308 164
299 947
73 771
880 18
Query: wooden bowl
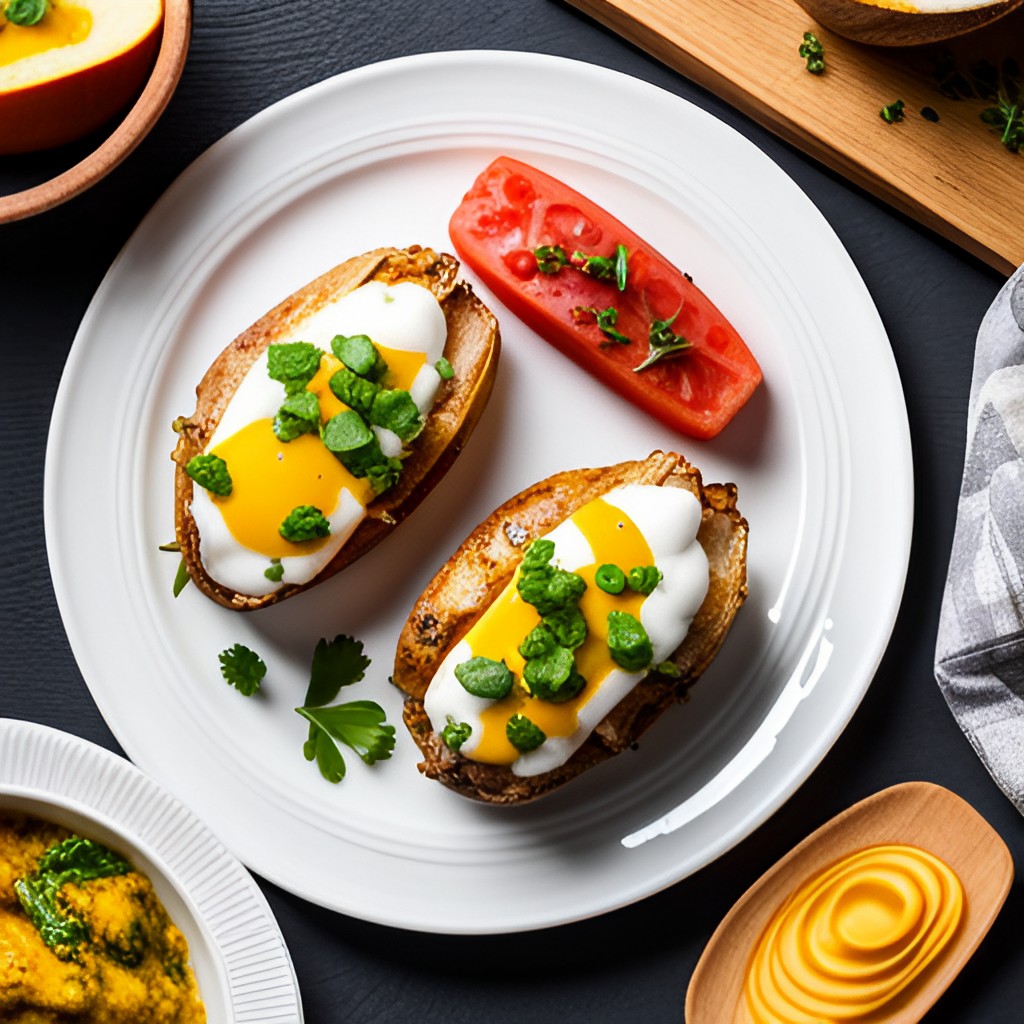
150 104
865 22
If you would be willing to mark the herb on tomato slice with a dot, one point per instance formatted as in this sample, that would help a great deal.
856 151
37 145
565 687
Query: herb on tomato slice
550 259
606 320
513 210
663 342
605 268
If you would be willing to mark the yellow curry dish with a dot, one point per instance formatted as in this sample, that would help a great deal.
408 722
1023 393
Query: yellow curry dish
84 939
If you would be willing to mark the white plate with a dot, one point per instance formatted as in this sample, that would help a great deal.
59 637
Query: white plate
240 960
382 155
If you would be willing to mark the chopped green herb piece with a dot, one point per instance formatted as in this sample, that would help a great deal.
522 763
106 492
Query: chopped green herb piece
360 725
25 12
605 268
892 112
304 522
353 442
71 861
181 578
550 589
454 734
444 369
568 626
395 410
553 676
813 52
384 475
644 578
523 734
353 390
360 355
628 642
293 363
211 473
610 578
275 571
538 642
668 668
336 663
538 554
171 545
550 259
606 320
243 668
299 414
484 677
662 342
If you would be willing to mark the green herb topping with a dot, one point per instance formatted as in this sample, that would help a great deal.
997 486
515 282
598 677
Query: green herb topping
605 268
360 725
523 734
299 414
644 578
668 668
547 588
444 369
550 259
892 112
606 320
181 578
304 522
454 734
662 342
360 355
72 861
210 472
353 442
628 642
25 12
610 578
275 571
553 676
294 364
484 677
242 668
813 52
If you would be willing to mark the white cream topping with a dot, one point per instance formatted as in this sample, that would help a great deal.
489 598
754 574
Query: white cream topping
669 518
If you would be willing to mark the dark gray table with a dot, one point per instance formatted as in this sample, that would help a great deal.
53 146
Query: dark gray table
633 964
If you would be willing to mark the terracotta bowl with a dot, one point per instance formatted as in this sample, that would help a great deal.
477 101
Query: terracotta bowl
133 128
881 26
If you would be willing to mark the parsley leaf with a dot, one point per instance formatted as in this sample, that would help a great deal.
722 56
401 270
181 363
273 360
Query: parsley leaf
663 342
360 725
328 757
337 663
242 668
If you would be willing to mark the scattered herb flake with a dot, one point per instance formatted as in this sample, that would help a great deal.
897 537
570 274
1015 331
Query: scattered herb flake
814 53
243 668
892 112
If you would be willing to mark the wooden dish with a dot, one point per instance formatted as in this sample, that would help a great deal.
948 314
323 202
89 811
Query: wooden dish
914 813
170 61
883 26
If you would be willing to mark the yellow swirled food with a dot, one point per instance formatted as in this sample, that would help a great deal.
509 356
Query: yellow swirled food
853 937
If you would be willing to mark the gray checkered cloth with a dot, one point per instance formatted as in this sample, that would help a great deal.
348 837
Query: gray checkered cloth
979 657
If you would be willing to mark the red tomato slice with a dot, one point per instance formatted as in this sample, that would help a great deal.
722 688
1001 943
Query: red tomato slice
513 209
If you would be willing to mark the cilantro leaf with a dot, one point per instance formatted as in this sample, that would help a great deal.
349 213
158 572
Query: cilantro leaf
359 724
337 663
242 668
328 757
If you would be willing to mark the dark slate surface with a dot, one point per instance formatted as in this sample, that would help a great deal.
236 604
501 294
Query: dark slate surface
633 964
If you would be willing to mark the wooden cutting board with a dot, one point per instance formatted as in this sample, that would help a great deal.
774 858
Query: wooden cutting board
953 176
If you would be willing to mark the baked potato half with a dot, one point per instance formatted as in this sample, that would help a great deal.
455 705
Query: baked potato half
485 563
471 348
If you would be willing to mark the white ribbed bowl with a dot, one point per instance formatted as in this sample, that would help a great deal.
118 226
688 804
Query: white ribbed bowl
242 966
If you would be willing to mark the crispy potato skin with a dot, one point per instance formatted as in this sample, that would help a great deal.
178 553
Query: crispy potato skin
485 563
472 348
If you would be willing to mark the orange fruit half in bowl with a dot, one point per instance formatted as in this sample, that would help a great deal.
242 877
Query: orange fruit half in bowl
72 71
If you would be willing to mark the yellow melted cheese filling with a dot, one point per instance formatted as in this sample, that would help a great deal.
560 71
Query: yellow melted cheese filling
61 25
853 937
270 477
613 537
